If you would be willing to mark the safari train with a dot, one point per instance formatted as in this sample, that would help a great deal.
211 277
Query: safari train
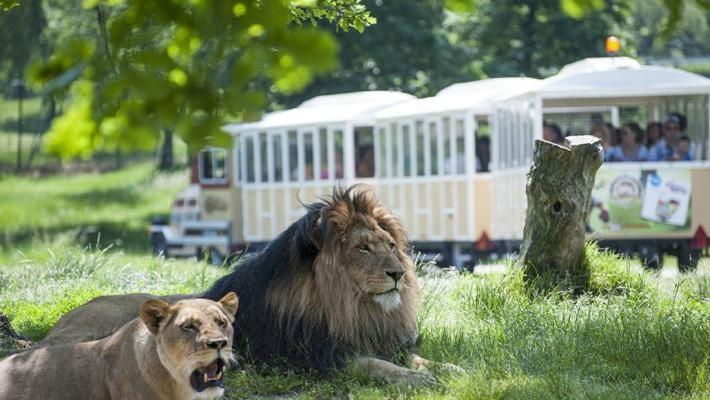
453 166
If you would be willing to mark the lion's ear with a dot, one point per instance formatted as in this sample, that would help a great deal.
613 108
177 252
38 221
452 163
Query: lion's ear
230 303
153 312
315 234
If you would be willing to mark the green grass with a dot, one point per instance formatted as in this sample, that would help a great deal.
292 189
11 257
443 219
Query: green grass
629 338
114 207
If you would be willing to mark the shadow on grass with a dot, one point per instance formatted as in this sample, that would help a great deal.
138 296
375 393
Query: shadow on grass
120 236
125 196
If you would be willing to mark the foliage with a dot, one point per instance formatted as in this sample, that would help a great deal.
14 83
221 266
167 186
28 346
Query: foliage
20 30
407 50
635 343
183 64
535 37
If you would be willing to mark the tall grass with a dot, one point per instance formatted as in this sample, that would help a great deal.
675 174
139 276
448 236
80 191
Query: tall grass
627 338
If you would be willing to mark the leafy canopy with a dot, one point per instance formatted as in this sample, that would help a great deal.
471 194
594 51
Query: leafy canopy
184 64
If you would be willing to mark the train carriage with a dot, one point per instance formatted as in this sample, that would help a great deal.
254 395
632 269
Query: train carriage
453 166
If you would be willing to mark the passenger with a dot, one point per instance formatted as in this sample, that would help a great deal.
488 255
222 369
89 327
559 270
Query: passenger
615 133
681 151
553 133
673 127
365 166
603 133
653 133
631 147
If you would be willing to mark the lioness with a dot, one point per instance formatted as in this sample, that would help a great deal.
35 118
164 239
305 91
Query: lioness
172 352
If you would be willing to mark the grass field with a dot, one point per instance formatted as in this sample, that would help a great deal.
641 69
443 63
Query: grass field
635 335
112 208
627 339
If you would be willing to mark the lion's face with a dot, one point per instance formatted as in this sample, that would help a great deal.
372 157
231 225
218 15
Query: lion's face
373 262
194 340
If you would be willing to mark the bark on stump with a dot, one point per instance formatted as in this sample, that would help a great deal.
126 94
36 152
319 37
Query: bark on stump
10 341
559 194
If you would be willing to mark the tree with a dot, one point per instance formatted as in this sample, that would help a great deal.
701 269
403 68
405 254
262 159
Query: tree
20 32
185 65
535 37
407 50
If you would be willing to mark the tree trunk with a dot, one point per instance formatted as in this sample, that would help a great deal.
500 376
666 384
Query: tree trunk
559 192
166 151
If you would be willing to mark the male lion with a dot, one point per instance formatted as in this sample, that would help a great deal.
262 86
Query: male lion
176 352
336 288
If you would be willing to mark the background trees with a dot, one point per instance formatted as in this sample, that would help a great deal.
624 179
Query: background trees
124 74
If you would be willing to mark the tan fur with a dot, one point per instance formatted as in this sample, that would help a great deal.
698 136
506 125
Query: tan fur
339 289
151 357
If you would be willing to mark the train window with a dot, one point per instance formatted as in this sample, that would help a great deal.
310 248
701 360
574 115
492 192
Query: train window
249 150
365 152
406 151
460 144
483 145
446 134
433 148
263 157
396 143
323 147
292 155
276 146
338 144
420 148
381 152
213 165
308 156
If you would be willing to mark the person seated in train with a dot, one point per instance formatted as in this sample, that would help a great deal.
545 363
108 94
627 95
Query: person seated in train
325 174
553 133
631 147
654 130
365 164
681 150
673 127
604 133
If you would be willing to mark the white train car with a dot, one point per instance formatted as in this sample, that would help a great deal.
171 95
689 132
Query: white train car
453 166
649 208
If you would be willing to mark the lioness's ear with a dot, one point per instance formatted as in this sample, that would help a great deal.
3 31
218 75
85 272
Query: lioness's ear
230 302
153 312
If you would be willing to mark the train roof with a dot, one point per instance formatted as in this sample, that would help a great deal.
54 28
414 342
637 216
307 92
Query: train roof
355 107
620 77
475 95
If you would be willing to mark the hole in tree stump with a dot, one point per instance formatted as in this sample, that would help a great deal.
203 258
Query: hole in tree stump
557 206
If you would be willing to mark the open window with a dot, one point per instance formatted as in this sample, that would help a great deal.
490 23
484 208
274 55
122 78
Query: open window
364 152
212 165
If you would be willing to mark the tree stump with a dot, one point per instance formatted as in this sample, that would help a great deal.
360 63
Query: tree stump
559 192
10 341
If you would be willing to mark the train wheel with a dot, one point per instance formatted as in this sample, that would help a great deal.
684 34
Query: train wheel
688 259
159 245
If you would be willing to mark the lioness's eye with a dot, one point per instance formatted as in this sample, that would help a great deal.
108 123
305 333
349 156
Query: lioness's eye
188 327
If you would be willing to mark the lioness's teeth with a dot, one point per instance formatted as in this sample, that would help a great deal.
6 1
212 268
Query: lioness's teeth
206 377
219 376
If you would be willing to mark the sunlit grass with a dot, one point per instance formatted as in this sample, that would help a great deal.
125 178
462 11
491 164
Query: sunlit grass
111 208
628 338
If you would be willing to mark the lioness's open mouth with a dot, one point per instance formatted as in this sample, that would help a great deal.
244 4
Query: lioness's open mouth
208 376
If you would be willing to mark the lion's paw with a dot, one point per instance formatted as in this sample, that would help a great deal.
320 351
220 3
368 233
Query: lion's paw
418 378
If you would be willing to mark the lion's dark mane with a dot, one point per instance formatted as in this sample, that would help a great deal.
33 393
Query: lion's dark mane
260 336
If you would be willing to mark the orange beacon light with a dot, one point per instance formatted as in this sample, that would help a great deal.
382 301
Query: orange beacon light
612 45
